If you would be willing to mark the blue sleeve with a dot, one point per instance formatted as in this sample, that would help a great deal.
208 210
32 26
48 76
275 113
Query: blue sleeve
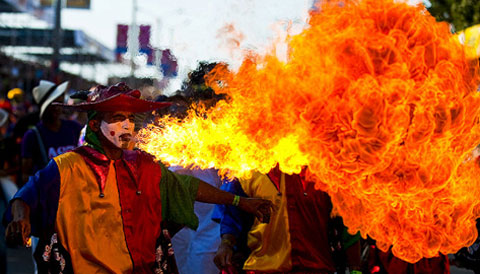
232 219
41 193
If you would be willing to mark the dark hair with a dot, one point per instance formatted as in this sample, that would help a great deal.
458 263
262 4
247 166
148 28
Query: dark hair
194 87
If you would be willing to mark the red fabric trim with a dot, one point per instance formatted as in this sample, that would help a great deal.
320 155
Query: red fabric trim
98 162
274 175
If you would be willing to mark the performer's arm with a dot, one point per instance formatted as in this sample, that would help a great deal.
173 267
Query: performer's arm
36 200
259 207
234 226
179 192
18 230
223 257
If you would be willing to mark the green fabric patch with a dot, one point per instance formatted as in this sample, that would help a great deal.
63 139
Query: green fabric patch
91 137
178 194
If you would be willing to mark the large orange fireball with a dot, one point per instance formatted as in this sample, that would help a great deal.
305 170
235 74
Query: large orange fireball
378 100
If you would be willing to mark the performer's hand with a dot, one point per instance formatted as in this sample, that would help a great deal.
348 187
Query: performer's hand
18 230
223 257
259 207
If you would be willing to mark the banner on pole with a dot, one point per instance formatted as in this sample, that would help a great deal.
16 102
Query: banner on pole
73 4
144 45
168 64
122 37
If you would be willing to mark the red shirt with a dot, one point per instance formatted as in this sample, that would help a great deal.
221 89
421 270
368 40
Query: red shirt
308 217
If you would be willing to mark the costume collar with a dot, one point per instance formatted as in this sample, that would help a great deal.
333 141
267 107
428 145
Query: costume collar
100 164
275 176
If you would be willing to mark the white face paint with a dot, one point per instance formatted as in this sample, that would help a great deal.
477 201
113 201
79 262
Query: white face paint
119 133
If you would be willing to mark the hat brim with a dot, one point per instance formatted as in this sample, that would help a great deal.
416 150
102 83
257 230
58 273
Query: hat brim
57 93
120 102
3 117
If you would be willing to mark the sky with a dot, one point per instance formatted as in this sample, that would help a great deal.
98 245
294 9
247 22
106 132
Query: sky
194 30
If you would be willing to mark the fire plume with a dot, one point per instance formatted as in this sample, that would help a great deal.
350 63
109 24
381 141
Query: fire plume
378 100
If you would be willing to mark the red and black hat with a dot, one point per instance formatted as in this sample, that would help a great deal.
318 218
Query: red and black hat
118 97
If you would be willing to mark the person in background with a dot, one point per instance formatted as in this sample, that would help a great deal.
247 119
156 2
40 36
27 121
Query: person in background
9 150
3 175
8 163
53 135
195 249
8 169
296 239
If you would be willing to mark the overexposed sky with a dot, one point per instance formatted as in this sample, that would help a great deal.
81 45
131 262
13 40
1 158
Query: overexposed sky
191 28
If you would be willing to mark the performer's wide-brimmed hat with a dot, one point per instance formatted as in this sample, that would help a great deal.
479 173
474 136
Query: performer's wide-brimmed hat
118 97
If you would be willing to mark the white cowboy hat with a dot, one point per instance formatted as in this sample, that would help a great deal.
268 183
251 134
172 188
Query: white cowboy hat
3 117
46 92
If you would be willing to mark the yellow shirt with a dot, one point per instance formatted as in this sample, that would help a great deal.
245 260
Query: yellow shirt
269 243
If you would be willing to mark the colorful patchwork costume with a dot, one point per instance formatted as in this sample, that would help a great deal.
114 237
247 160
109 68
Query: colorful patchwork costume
116 232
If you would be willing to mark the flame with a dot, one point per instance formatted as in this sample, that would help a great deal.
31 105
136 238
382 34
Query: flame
378 100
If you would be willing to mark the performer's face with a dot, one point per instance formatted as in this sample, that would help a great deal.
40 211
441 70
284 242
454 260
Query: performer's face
118 128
